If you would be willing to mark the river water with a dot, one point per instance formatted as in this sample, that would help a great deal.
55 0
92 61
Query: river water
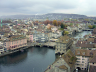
34 59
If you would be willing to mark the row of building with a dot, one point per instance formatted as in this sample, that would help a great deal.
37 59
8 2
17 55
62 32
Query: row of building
77 54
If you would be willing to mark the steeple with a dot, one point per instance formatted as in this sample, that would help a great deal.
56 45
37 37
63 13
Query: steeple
1 22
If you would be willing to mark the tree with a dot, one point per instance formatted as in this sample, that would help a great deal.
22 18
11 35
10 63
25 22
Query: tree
94 22
59 22
71 24
90 26
94 26
55 22
62 25
66 32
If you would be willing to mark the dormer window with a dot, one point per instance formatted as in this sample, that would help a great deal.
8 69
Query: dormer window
78 52
83 53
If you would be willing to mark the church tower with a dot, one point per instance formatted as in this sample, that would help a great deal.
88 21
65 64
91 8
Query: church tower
1 22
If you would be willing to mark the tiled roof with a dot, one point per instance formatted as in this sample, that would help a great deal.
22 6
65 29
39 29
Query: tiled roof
92 68
64 39
93 60
84 52
63 67
94 31
69 58
90 40
84 44
16 37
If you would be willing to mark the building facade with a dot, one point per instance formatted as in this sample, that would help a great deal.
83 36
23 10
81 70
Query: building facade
63 44
15 42
83 56
65 63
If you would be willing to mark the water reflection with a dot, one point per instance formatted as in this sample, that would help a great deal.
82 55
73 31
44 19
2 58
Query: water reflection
35 57
38 50
13 58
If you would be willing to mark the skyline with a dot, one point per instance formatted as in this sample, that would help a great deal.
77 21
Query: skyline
30 7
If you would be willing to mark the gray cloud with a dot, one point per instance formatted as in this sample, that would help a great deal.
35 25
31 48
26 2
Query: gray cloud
8 7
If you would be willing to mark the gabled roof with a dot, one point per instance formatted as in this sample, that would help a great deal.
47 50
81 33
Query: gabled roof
84 44
93 60
94 31
63 67
90 40
69 58
84 52
92 68
64 39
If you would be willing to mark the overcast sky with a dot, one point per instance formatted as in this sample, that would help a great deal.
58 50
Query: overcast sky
30 7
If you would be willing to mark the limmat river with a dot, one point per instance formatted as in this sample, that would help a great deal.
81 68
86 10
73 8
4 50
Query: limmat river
34 59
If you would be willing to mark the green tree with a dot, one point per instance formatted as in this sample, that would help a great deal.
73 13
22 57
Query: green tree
94 22
66 32
62 25
71 24
90 26
94 26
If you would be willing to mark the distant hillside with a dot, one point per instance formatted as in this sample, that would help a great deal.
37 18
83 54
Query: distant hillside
50 16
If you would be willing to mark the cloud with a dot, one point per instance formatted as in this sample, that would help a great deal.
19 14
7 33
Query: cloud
8 7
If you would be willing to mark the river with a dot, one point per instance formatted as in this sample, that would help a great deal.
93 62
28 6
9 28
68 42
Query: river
34 59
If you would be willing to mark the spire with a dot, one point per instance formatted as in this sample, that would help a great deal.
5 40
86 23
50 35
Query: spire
1 22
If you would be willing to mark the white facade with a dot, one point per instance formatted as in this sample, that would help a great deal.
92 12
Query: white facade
60 47
82 62
1 50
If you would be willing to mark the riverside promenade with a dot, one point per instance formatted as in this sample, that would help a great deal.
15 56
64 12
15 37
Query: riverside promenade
30 44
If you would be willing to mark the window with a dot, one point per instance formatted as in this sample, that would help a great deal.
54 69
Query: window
78 52
77 64
78 61
78 58
82 58
83 53
82 61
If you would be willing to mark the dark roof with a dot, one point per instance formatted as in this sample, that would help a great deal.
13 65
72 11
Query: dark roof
94 31
84 44
69 58
93 60
85 52
92 68
64 39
